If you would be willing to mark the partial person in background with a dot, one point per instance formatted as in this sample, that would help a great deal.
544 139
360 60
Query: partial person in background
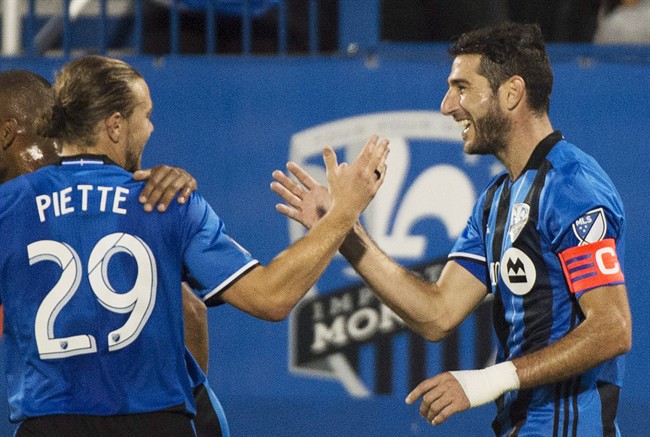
546 238
444 20
114 363
560 20
437 20
623 22
25 98
229 28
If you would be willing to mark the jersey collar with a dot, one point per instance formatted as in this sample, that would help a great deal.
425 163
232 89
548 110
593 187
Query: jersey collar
86 159
541 150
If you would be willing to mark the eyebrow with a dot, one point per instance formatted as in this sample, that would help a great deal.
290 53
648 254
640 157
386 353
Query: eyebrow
457 82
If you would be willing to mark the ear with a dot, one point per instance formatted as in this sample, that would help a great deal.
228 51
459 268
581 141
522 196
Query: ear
514 90
114 125
8 132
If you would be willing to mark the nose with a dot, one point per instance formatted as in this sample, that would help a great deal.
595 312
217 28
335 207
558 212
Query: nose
449 102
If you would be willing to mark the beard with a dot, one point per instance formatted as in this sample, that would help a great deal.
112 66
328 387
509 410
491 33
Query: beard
491 132
131 161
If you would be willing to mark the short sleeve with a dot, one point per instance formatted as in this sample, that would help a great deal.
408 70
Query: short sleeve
469 248
212 259
584 222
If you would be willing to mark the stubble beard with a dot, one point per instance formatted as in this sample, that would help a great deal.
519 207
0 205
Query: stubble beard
491 132
131 161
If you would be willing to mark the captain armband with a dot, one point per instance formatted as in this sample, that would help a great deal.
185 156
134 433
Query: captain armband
486 385
592 265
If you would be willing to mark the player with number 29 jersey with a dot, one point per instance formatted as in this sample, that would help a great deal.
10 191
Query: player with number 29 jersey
91 286
539 243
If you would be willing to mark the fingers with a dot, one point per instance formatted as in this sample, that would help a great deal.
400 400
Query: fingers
329 158
289 212
141 175
433 401
164 192
373 151
429 401
163 184
287 195
442 397
381 166
185 193
370 145
378 158
291 193
442 415
420 390
152 181
285 187
301 175
373 158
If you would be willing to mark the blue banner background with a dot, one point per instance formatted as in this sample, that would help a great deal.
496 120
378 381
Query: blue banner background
230 122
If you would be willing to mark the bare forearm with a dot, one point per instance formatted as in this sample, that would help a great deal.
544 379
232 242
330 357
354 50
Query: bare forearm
592 342
196 327
289 276
414 299
271 292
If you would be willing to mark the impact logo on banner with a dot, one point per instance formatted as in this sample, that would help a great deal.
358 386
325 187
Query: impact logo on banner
422 207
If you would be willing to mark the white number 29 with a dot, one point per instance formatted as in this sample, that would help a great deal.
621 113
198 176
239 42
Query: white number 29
139 301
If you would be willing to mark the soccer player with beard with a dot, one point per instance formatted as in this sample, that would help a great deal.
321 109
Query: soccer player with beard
25 98
546 239
90 282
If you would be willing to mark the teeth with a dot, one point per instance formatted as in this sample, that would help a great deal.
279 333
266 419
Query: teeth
463 123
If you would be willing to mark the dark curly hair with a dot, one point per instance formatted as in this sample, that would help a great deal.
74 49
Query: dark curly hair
25 96
511 49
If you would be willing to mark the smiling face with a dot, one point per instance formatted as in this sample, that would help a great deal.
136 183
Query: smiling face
475 107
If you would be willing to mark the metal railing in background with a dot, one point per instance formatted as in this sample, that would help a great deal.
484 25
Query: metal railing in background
348 27
26 31
72 27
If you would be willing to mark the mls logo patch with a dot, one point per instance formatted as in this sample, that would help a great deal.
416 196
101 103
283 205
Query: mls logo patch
518 219
591 227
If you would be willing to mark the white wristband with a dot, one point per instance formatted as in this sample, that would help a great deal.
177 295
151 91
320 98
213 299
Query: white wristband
486 385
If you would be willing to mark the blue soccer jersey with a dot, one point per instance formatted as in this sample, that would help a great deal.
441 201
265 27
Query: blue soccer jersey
539 243
91 287
210 419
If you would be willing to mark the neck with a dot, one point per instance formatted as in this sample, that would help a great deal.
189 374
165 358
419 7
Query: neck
26 156
522 141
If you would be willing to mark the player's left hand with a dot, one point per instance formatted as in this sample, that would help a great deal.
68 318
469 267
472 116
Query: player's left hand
163 184
442 397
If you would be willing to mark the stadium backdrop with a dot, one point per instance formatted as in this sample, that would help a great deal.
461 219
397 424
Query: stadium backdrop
342 364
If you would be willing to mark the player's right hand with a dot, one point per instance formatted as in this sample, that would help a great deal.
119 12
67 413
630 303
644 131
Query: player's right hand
306 201
352 187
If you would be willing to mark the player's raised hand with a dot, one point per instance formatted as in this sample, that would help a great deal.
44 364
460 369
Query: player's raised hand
163 184
353 186
305 202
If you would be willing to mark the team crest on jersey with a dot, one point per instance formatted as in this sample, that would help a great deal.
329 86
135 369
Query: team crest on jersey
518 271
518 219
591 227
